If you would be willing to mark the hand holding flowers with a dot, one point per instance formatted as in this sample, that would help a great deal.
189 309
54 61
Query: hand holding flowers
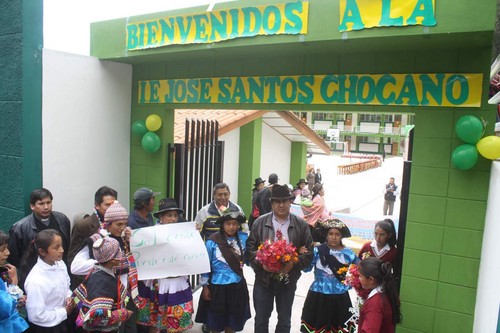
277 257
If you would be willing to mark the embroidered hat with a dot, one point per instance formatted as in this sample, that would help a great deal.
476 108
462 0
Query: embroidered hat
258 181
105 248
231 214
336 224
166 205
301 181
281 192
115 212
144 194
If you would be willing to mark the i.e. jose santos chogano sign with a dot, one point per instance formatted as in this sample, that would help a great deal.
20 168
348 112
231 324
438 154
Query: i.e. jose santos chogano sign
438 89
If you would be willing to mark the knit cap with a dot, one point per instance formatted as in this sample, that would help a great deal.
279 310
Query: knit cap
115 212
105 248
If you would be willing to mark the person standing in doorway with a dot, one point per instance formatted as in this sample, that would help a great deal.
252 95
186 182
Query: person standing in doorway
318 178
390 193
267 288
311 179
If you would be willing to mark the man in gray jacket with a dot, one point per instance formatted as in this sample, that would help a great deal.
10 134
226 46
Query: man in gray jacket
267 288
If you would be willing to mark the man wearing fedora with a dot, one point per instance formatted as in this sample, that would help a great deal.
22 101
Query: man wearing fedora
209 214
267 288
257 187
144 204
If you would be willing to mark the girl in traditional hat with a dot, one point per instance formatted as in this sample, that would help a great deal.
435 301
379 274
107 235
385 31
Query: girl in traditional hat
380 312
383 246
102 295
115 226
224 303
169 304
10 293
326 308
47 286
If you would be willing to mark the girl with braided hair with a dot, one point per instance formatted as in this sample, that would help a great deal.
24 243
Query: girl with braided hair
224 303
380 312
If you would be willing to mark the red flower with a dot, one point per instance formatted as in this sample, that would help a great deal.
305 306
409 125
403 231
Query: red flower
352 279
276 254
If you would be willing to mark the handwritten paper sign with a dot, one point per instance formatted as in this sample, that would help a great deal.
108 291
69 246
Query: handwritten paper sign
169 250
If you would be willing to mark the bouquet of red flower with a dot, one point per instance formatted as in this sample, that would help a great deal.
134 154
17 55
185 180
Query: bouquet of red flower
352 279
274 255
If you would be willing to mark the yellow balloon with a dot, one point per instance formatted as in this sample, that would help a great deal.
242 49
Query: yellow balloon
153 122
489 147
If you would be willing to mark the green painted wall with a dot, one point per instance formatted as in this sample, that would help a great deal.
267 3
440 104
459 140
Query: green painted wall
446 213
298 162
20 106
149 169
249 162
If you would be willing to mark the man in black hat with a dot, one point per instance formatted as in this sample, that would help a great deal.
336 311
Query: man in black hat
266 289
144 204
262 200
257 187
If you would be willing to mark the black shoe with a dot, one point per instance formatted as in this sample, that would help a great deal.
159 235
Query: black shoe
205 329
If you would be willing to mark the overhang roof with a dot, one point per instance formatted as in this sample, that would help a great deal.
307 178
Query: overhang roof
284 122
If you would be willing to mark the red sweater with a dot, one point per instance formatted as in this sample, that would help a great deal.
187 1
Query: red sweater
376 315
389 256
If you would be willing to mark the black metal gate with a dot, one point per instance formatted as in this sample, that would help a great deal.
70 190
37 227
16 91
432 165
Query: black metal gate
195 166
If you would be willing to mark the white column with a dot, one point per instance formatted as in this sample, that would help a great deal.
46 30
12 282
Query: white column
488 288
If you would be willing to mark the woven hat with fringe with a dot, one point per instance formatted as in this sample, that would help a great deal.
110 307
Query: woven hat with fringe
115 212
105 248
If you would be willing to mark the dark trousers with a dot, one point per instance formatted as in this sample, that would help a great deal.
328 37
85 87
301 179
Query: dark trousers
263 301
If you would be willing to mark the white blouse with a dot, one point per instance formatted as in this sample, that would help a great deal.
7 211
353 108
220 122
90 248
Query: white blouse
47 288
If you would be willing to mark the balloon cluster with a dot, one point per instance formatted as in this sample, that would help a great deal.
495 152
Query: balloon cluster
150 141
470 129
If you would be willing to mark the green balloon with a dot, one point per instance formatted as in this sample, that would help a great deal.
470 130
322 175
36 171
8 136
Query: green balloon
139 128
464 157
469 129
151 142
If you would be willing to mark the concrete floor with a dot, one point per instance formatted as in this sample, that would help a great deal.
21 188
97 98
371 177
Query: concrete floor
361 193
